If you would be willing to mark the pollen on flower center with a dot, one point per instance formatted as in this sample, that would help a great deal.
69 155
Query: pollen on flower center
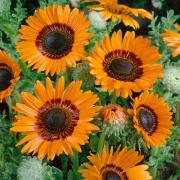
147 119
55 120
5 77
110 175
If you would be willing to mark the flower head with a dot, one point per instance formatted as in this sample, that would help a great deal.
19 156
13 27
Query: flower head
9 75
125 64
113 119
115 165
111 9
152 118
54 39
56 120
173 40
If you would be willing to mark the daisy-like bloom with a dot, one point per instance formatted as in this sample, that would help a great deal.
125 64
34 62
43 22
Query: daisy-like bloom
111 9
54 39
9 75
152 118
172 39
56 120
125 65
115 166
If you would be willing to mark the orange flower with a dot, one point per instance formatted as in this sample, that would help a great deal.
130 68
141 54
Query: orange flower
9 75
111 9
152 118
114 113
57 120
125 65
173 40
54 39
115 165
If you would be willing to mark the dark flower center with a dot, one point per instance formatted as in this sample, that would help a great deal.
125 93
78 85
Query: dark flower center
5 77
146 119
55 120
55 41
122 65
110 175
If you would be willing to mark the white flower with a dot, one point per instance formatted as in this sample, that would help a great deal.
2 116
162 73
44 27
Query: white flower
97 20
74 3
31 169
172 79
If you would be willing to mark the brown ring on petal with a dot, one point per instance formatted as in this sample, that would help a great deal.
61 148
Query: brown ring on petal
57 119
6 76
122 65
147 119
111 171
55 41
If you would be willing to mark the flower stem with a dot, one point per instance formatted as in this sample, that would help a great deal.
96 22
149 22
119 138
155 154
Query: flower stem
113 99
101 142
64 162
177 120
75 161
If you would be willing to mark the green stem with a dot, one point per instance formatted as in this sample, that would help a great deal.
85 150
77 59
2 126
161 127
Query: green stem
114 98
177 121
64 162
75 161
68 76
101 142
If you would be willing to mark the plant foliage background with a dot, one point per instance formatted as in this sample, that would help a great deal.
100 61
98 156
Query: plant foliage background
164 162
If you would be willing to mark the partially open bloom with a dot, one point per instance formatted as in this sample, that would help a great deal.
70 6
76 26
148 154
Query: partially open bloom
152 118
172 39
113 113
113 119
56 120
54 39
115 166
9 75
111 9
125 64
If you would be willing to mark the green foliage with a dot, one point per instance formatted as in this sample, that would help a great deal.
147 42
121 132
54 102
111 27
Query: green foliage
10 22
44 3
53 173
157 28
9 156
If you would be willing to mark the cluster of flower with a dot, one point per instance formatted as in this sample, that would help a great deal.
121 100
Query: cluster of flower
59 119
